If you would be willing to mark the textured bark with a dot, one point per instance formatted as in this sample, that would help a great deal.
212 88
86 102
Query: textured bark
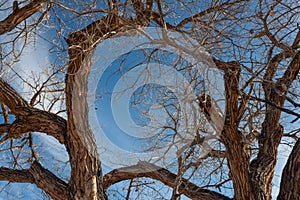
40 176
290 182
14 175
262 168
11 98
35 120
144 169
82 149
231 137
20 15
29 119
86 174
50 183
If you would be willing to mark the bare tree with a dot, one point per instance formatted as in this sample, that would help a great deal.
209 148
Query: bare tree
254 44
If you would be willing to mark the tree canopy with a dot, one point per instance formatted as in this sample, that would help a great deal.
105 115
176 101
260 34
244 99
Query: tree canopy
240 135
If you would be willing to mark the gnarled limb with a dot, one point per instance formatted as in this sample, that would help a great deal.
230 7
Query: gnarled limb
144 169
30 119
84 158
21 14
40 176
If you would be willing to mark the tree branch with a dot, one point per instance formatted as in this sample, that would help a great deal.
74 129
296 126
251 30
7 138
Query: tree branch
17 17
30 119
40 176
262 168
231 137
48 182
15 175
203 13
11 98
144 169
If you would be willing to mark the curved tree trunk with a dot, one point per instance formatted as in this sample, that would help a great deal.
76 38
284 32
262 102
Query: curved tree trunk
86 174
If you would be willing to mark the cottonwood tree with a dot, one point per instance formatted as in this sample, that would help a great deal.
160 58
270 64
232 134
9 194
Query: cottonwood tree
255 44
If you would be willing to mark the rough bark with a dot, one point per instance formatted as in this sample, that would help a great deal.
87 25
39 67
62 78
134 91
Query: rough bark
144 169
86 175
40 176
50 183
262 168
82 149
231 137
20 15
29 119
290 182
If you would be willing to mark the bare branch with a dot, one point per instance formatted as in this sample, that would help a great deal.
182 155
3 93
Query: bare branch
21 14
203 13
40 176
16 176
50 183
11 98
144 169
30 119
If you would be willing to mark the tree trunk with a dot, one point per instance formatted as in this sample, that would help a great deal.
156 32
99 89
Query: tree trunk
290 182
86 174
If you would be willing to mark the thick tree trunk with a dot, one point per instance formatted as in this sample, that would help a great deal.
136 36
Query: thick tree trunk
233 140
86 174
262 168
290 182
238 164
